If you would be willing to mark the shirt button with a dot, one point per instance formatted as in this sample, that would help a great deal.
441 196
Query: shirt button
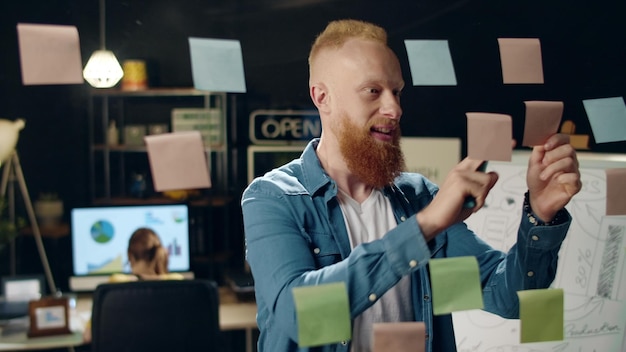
535 238
316 251
402 218
530 274
413 263
372 297
344 342
426 297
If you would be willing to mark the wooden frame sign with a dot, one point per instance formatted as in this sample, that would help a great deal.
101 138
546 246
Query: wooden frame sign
49 316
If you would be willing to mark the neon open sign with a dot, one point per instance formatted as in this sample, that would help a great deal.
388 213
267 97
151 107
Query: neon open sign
284 126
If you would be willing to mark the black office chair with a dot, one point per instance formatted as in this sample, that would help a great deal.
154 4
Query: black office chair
167 315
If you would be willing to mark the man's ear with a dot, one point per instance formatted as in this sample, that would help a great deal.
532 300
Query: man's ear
320 97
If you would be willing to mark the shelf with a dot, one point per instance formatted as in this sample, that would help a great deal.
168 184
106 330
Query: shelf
212 201
150 92
55 231
128 148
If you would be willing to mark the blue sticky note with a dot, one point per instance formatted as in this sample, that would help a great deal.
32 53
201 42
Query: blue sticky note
430 63
607 117
217 65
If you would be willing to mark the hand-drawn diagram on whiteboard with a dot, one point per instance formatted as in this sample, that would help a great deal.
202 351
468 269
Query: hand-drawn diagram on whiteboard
591 269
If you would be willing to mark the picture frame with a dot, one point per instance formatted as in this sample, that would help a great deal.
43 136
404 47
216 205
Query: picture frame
49 316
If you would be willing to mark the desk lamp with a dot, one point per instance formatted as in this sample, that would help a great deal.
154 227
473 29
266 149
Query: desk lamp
9 133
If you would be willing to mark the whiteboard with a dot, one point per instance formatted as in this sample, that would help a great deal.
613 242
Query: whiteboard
591 268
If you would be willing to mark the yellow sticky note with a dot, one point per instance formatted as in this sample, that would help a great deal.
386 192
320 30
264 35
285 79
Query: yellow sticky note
323 314
541 315
456 284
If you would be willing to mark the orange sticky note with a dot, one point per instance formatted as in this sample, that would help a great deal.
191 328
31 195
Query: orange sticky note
615 191
49 54
542 121
178 161
399 337
521 60
489 136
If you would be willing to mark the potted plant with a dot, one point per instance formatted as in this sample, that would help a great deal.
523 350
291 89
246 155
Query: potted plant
49 209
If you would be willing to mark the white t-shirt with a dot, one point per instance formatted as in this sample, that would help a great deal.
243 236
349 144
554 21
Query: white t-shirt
367 222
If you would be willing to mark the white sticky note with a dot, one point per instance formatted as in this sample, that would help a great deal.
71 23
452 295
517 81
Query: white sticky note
178 161
607 117
217 65
430 63
49 54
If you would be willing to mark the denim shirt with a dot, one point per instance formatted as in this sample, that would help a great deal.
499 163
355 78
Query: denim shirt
296 236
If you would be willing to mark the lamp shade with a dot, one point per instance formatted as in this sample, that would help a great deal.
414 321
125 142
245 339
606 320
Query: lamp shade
9 132
103 70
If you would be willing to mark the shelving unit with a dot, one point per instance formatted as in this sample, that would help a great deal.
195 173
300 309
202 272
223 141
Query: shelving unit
136 107
112 165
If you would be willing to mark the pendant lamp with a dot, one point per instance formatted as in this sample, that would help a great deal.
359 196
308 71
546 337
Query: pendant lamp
102 70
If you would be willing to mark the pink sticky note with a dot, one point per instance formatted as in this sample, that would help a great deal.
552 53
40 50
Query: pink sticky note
616 191
521 60
489 136
178 161
399 337
542 121
49 54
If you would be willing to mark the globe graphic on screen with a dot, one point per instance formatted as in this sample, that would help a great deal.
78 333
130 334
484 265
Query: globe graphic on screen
102 231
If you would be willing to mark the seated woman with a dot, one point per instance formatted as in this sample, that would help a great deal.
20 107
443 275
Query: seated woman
148 260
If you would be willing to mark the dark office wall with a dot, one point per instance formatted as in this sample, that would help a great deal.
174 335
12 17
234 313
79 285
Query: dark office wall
582 44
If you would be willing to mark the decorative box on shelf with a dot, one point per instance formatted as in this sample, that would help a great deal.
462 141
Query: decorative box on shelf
208 121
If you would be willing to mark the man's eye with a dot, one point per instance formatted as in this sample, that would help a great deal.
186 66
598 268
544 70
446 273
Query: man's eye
372 90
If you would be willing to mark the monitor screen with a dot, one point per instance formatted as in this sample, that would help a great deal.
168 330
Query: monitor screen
263 158
100 236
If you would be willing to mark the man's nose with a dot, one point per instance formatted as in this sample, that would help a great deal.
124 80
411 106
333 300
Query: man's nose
391 107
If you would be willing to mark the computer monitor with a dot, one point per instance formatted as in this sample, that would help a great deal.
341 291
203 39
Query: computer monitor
100 236
264 158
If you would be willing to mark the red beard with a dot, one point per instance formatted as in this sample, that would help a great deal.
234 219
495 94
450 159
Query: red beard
375 163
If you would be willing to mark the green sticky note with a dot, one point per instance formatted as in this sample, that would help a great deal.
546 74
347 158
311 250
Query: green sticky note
323 314
456 284
541 315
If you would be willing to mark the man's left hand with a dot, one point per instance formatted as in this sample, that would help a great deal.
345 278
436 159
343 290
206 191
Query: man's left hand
553 177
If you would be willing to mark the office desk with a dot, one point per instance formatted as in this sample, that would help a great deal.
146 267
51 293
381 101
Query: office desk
234 315
237 315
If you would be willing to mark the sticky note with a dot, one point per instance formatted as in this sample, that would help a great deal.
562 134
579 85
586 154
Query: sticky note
430 63
521 61
217 65
456 284
542 121
541 315
49 54
399 337
489 136
616 191
607 117
178 161
323 314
